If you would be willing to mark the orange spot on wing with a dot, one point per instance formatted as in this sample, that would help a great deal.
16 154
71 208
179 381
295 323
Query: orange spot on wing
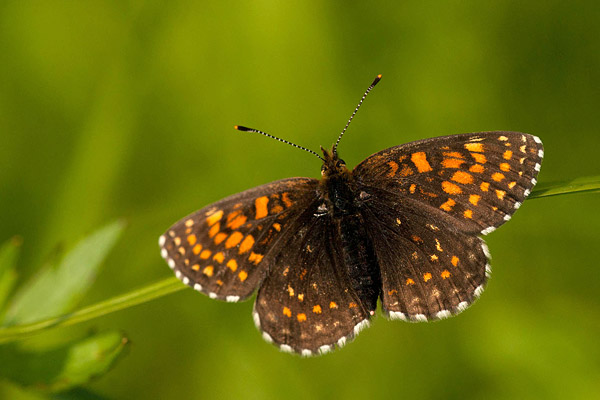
247 244
261 207
500 194
452 163
232 265
285 197
301 296
301 317
480 158
196 267
478 147
454 261
476 168
277 226
505 167
205 254
287 312
507 155
497 176
474 199
406 170
233 239
243 275
220 237
333 305
197 249
426 276
451 188
512 185
420 161
447 206
468 213
454 154
412 188
237 221
317 309
352 305
214 218
445 274
276 209
191 239
484 186
462 177
208 271
255 258
214 230
394 167
219 257
410 281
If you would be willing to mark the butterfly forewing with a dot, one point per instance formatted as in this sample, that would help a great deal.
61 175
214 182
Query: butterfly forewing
479 179
224 249
306 304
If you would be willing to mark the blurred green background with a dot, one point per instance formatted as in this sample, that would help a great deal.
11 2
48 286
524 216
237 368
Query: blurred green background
126 109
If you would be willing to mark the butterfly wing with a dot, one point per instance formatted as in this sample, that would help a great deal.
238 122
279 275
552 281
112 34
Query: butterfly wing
429 270
225 249
472 181
426 204
306 303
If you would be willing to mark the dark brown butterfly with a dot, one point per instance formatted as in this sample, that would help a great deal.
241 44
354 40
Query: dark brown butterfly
403 226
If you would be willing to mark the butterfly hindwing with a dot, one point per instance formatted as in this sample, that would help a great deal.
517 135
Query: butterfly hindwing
477 179
429 269
306 304
224 249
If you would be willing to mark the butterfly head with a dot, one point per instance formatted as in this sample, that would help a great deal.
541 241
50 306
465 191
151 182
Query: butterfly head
333 165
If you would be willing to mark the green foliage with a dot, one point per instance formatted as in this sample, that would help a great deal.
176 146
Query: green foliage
63 367
56 289
53 291
8 274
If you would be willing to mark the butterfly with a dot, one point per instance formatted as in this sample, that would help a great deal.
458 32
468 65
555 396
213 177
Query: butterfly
404 226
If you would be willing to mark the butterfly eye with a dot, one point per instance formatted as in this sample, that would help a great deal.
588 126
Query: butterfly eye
340 163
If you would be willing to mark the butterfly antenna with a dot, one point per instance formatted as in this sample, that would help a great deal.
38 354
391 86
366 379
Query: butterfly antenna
375 82
245 129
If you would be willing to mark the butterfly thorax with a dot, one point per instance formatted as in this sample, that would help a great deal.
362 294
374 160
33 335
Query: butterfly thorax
336 187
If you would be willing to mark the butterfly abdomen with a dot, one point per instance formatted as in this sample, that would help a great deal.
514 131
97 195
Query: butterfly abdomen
360 263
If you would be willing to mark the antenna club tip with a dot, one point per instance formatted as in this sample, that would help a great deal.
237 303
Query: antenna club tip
235 127
377 79
242 128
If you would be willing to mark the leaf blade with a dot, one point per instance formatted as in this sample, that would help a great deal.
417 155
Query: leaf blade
55 291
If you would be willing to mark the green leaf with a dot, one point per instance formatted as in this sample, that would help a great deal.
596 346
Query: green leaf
63 367
9 253
54 291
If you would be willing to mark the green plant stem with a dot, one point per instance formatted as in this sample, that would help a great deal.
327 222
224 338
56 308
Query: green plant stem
171 285
587 184
138 296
